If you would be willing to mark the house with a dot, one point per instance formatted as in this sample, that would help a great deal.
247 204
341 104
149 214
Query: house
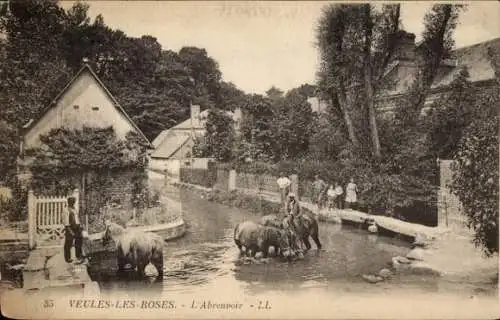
173 147
402 69
84 101
317 105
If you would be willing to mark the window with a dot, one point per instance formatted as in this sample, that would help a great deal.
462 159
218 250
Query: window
95 108
76 106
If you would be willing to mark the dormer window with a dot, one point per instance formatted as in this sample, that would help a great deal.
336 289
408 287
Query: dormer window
95 108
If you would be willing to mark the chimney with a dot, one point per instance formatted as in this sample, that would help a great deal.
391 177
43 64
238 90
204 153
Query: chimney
405 48
195 116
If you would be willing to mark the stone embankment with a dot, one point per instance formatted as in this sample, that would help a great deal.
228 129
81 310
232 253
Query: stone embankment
436 251
45 268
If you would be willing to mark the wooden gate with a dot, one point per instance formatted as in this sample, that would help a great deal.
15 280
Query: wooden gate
45 219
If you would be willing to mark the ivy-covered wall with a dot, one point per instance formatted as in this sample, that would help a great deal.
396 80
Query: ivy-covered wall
106 170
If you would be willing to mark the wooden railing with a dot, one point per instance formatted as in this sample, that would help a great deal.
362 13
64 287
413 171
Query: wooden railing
45 219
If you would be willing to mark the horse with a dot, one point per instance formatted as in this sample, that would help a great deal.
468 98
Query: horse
138 248
274 221
304 226
254 238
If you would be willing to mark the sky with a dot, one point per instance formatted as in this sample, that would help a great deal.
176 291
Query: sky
262 44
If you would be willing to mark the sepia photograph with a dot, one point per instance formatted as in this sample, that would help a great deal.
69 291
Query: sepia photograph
249 159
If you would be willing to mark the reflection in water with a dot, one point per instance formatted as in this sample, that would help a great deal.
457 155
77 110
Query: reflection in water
207 256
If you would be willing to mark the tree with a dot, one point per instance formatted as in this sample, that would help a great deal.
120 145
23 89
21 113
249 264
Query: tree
257 127
450 115
333 77
292 123
274 93
8 150
356 43
229 97
204 72
437 43
33 67
219 137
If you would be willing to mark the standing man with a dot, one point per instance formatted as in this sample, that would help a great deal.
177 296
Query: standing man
284 184
73 231
318 191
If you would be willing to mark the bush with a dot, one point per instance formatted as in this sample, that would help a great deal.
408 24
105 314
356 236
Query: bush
400 195
15 208
475 179
201 177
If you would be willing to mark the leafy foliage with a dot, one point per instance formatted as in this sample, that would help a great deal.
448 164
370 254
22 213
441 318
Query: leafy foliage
74 153
292 120
475 178
450 115
219 137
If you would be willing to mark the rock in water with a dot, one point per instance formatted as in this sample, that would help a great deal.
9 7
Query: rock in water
385 273
150 271
420 240
416 254
373 228
372 278
403 260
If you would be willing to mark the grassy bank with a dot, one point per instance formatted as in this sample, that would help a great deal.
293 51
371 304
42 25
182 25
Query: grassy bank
255 204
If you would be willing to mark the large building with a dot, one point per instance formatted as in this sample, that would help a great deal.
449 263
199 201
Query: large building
403 68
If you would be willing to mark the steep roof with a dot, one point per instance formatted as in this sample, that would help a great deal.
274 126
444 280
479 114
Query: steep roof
173 140
158 140
184 126
474 57
53 104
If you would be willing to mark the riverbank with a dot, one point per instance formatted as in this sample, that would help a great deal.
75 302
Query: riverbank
436 251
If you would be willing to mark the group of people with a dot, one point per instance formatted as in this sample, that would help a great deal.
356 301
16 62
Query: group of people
332 195
323 194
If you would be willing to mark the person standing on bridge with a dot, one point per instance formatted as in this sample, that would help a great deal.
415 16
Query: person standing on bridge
351 195
72 231
284 184
319 191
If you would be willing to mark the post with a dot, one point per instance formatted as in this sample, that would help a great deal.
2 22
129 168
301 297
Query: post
232 180
76 195
295 185
31 219
82 202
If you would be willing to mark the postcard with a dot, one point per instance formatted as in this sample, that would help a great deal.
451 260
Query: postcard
249 159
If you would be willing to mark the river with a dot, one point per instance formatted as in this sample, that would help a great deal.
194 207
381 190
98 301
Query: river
206 258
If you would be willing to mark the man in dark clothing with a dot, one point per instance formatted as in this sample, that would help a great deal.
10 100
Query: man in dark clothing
73 231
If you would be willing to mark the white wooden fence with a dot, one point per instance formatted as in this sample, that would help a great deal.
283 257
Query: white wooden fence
45 219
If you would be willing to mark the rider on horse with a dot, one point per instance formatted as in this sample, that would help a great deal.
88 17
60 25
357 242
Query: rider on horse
294 212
